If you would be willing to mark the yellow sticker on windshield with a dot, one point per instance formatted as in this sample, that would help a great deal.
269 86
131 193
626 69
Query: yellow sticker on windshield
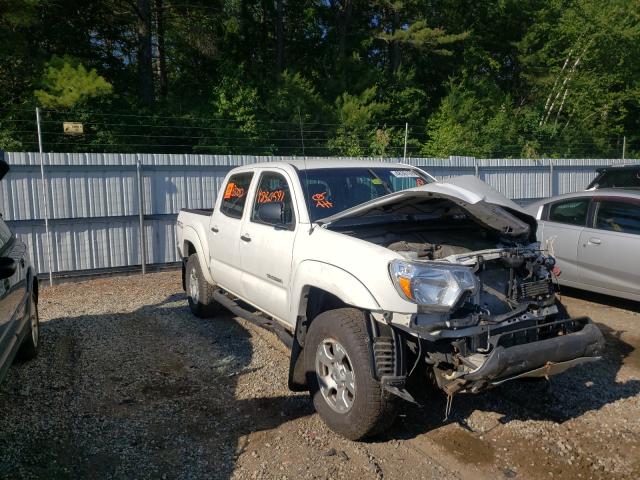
376 181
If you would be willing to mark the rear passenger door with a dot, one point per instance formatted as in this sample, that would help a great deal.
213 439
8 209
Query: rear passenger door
609 248
562 223
225 231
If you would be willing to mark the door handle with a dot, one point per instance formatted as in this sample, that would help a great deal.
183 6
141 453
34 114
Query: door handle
214 229
245 238
595 241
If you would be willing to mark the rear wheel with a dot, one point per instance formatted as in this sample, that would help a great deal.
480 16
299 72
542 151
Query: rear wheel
341 379
199 291
31 343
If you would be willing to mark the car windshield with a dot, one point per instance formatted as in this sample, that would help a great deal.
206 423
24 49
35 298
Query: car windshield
331 190
617 179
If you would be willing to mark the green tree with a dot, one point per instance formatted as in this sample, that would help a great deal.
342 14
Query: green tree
67 83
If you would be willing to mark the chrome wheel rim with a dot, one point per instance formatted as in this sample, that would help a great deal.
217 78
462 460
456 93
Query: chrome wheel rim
335 374
193 285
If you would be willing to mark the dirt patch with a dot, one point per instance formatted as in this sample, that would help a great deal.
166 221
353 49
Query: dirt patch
129 384
466 447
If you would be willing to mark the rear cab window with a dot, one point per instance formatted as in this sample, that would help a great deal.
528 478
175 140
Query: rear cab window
234 195
569 212
617 216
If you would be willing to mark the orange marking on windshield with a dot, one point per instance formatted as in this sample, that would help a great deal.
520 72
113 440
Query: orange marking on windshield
321 201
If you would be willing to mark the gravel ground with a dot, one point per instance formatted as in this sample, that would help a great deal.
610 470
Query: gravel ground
129 384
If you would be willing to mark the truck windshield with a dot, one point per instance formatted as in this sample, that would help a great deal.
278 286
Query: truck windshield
331 190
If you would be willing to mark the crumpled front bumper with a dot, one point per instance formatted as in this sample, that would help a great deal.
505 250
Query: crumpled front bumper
538 358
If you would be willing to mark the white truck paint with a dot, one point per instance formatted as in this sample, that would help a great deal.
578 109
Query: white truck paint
440 272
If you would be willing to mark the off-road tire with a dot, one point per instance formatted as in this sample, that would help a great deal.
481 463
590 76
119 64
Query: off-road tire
373 409
31 343
203 306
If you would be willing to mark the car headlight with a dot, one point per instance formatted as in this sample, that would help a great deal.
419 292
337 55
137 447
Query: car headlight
436 286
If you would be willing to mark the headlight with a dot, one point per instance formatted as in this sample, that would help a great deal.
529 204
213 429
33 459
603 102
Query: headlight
434 285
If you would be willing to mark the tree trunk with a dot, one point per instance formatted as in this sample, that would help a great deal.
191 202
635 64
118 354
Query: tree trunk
162 59
145 65
395 45
343 10
280 35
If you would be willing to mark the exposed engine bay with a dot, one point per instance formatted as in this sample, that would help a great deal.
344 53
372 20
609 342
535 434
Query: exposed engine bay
505 323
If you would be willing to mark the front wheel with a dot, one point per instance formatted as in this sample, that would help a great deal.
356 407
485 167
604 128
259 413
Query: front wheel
343 387
31 343
199 291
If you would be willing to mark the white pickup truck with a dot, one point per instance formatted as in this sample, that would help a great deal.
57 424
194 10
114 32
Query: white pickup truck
375 273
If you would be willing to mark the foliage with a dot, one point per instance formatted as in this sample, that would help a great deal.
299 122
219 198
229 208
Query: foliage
66 83
343 77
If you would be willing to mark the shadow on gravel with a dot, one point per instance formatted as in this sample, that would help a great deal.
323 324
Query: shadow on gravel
566 396
146 394
603 299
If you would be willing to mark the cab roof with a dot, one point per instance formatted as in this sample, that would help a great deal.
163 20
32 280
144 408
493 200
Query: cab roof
320 163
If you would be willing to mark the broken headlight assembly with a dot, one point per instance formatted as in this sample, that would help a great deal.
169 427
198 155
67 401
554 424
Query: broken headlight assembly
434 286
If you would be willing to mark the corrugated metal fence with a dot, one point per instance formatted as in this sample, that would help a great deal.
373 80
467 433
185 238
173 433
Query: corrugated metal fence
94 203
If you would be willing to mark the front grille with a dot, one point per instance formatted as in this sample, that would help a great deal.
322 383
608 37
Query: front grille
540 288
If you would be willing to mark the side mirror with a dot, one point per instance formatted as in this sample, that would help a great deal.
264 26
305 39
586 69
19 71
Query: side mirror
7 267
271 213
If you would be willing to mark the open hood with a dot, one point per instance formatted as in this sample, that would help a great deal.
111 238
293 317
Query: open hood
483 203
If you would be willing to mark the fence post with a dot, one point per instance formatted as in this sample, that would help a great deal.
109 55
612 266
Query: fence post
143 240
476 168
551 177
45 198
406 136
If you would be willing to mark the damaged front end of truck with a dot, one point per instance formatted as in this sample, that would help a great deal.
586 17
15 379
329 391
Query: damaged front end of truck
503 322
487 310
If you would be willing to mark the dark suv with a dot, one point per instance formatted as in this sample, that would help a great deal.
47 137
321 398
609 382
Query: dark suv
617 176
19 326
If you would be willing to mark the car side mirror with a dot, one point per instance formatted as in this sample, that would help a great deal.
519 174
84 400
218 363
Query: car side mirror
7 267
271 213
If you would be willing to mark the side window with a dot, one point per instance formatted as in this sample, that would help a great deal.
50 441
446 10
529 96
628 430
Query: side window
621 217
572 212
273 188
235 194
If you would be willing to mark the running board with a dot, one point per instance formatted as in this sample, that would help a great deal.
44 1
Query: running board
256 319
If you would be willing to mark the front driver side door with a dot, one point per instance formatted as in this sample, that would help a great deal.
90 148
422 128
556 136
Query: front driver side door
266 247
563 223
